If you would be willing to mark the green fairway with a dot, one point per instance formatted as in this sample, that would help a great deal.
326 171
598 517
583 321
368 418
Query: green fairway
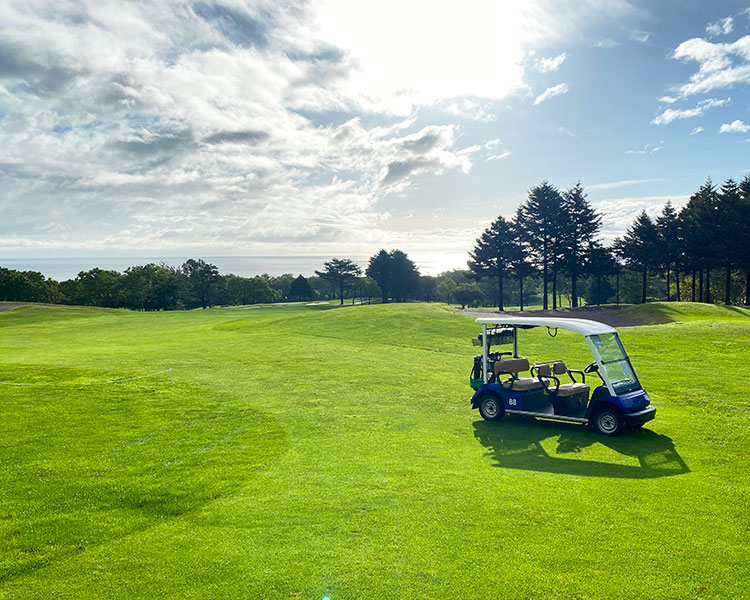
310 451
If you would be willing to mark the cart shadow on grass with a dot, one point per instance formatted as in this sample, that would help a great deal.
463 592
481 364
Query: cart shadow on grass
517 444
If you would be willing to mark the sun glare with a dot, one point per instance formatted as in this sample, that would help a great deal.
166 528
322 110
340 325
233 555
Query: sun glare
421 52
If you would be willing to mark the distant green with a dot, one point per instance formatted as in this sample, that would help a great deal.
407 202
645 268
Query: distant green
304 452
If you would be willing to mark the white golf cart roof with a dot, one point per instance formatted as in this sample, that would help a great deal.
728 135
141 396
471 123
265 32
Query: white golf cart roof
580 326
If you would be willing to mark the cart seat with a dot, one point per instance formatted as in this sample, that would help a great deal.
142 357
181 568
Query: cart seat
544 370
525 384
572 389
512 367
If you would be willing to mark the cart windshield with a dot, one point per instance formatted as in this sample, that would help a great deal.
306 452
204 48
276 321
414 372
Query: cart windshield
617 368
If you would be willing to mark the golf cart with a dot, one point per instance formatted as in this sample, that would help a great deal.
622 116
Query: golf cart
554 391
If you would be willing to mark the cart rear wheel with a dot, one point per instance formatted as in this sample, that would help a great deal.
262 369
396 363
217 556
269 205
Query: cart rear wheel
608 421
491 407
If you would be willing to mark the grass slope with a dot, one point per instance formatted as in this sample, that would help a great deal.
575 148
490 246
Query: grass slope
310 451
658 312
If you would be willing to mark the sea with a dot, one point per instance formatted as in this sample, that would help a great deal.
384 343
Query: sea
245 266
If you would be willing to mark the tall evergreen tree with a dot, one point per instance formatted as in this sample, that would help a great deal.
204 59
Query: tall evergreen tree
743 235
668 225
494 254
687 232
340 273
728 224
640 247
601 264
404 280
702 216
380 269
578 237
300 289
427 287
540 220
522 266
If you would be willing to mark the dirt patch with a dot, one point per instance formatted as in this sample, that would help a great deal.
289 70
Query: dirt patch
4 307
614 316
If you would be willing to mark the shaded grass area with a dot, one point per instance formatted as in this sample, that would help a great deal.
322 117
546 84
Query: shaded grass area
304 453
82 466
659 312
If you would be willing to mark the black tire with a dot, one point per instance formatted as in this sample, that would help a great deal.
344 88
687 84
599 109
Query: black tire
491 407
608 421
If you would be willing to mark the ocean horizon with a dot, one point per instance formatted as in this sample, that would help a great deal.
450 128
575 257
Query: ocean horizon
65 268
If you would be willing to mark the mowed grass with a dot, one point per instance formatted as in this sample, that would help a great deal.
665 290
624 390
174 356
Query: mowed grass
304 452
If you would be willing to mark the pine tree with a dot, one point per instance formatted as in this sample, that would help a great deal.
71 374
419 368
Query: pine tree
640 247
699 225
520 262
728 219
404 279
300 289
540 219
601 264
743 234
579 235
494 254
668 226
340 272
380 270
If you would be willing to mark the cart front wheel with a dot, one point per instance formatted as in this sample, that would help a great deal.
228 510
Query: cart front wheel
491 408
608 421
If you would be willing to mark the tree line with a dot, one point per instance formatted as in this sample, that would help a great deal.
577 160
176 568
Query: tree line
197 283
549 251
556 234
709 236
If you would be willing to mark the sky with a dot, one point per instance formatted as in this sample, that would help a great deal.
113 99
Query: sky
336 128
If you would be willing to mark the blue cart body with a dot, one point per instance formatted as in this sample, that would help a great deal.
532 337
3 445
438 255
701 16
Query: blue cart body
635 406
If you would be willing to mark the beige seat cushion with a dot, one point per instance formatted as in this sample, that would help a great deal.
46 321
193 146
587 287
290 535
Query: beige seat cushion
572 389
525 384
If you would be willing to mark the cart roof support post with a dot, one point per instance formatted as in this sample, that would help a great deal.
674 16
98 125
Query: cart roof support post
515 342
485 346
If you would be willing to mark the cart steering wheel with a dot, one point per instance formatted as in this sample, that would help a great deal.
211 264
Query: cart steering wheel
592 368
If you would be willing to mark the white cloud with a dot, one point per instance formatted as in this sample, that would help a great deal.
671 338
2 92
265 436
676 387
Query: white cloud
721 27
719 65
619 213
545 65
697 130
647 149
736 126
504 154
640 36
550 92
667 100
617 184
495 149
566 131
672 114
249 126
606 43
